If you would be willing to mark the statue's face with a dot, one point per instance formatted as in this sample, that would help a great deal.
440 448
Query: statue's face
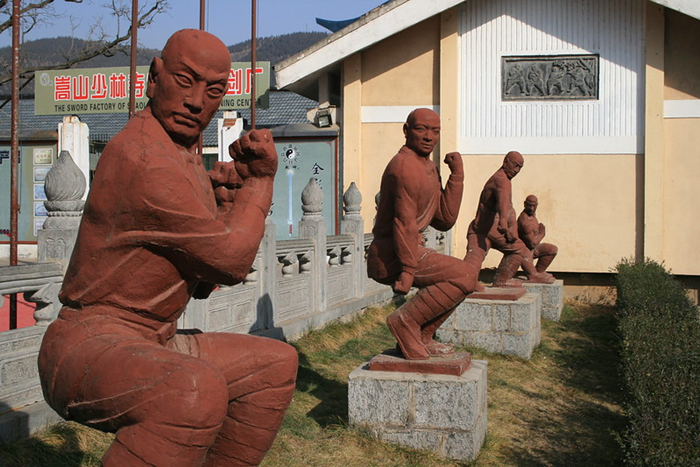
189 83
530 206
512 164
422 131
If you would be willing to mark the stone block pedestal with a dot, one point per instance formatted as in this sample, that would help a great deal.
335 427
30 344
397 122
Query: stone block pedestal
552 296
442 413
499 326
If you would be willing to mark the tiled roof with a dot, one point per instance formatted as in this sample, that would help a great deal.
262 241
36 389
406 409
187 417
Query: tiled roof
286 108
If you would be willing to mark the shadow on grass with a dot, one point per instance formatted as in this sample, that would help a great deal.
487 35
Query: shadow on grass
61 445
332 394
575 423
592 352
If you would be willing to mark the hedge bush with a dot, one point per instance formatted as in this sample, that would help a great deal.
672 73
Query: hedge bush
660 330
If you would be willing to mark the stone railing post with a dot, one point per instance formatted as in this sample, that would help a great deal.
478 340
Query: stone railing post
74 137
313 227
267 302
65 185
352 224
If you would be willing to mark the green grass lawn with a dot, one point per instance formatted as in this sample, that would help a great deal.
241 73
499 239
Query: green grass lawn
561 408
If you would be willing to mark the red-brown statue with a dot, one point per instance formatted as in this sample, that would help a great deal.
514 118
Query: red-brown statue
495 227
411 199
156 230
531 232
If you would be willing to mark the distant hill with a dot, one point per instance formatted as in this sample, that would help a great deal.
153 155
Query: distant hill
46 52
274 49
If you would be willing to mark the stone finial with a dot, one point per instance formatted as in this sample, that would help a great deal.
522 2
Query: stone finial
352 202
312 200
64 186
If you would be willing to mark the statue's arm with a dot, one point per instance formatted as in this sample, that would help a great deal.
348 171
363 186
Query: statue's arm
504 204
451 196
405 233
217 248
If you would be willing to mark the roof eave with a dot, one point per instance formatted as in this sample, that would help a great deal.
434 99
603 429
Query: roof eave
687 7
380 23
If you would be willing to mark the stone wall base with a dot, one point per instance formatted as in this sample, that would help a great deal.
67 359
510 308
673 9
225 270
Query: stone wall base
498 326
552 296
441 413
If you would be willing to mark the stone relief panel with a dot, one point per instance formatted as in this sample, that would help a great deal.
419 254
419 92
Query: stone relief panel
550 77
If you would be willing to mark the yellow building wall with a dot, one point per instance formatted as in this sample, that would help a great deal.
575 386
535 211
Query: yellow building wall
681 149
402 70
682 66
682 195
588 204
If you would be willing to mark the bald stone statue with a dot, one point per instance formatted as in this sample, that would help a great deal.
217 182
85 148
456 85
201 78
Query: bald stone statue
531 232
411 199
495 227
157 230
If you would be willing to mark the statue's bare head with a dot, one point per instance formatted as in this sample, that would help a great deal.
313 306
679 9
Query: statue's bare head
512 164
531 204
422 131
186 85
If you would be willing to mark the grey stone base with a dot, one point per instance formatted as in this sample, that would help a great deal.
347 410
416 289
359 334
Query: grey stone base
441 413
498 326
552 296
22 423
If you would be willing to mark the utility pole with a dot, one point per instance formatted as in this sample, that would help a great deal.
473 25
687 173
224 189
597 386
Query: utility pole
202 13
134 52
14 154
253 46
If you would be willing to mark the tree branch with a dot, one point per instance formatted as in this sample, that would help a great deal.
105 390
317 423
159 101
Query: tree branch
93 49
30 10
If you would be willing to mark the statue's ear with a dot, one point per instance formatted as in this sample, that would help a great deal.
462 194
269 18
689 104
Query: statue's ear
156 67
405 129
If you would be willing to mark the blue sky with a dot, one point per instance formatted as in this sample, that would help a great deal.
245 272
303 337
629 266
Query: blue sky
227 19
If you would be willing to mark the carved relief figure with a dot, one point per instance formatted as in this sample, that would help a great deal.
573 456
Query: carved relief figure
516 77
157 230
495 227
412 198
535 81
556 80
531 232
581 78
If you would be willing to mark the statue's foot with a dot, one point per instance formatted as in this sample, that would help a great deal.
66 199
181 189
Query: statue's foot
542 278
436 349
509 283
407 334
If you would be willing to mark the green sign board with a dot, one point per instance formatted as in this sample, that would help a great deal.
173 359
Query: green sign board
106 90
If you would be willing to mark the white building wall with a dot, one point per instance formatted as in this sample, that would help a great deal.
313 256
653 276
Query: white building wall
612 124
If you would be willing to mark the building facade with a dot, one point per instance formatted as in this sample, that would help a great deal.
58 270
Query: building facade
602 97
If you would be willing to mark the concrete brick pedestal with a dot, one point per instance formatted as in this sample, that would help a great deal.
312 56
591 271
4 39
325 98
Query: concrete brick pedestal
441 413
552 296
499 326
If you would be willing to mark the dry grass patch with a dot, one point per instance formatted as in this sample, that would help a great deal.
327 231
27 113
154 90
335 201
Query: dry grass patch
561 408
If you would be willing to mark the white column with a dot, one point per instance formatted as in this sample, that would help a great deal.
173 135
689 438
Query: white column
74 137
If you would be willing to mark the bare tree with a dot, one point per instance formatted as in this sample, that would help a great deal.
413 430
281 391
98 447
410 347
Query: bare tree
98 42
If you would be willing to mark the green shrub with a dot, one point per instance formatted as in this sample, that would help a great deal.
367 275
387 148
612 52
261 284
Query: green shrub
660 330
